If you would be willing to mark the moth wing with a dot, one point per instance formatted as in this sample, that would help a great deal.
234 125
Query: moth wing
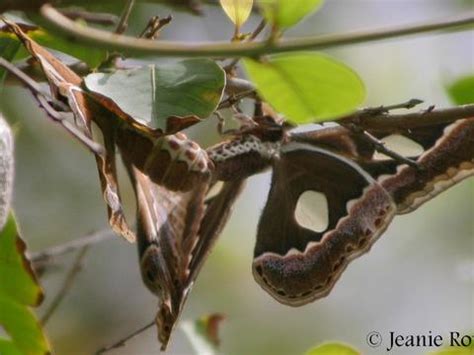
447 158
296 264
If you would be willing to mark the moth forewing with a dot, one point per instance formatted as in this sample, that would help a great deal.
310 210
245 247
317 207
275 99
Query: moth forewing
447 158
65 85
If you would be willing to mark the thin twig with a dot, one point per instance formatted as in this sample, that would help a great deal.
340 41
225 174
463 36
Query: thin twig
386 121
233 99
384 109
62 26
155 24
91 17
228 68
67 284
234 85
44 100
58 117
123 23
68 247
380 146
122 341
30 83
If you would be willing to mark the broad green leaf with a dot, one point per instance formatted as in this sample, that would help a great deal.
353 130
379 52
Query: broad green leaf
237 10
332 349
203 333
18 291
307 87
286 13
152 93
462 90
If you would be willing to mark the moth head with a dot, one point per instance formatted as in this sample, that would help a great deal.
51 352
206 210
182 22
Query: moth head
150 269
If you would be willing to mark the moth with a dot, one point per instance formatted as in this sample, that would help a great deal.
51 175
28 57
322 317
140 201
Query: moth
292 262
297 264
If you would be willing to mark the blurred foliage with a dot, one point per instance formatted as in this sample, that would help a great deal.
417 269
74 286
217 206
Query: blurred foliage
332 349
19 290
461 91
237 11
10 45
287 13
203 333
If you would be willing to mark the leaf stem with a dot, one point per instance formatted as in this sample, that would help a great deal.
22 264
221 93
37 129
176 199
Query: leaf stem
53 20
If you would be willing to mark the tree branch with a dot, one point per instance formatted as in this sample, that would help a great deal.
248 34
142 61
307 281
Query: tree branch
91 17
365 119
56 116
67 284
122 341
53 20
123 23
68 247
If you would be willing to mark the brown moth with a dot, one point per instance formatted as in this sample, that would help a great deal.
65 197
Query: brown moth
295 263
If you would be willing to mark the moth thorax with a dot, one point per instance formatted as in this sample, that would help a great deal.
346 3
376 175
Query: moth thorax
177 163
241 146
242 157
150 269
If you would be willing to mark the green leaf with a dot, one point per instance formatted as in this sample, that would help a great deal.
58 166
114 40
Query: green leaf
462 90
286 13
18 290
307 87
151 94
332 349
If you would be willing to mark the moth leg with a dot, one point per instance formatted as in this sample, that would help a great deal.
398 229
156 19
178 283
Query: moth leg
51 106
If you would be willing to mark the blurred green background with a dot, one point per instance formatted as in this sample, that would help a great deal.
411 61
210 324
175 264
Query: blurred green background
418 277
